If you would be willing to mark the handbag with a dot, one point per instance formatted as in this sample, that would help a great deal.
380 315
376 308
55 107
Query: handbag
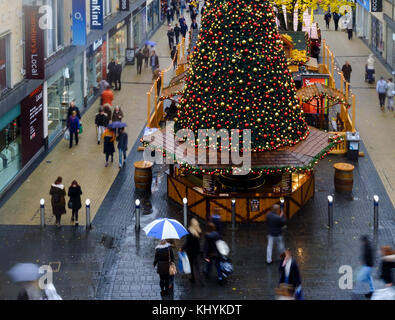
70 204
81 129
67 135
172 267
184 264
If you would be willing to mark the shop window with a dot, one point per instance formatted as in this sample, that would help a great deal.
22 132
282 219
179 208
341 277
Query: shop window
4 64
54 37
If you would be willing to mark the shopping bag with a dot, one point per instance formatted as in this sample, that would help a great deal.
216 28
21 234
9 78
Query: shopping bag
180 263
186 266
222 247
81 128
384 294
67 135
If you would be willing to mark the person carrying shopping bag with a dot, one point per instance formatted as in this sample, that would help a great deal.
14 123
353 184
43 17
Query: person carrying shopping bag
164 257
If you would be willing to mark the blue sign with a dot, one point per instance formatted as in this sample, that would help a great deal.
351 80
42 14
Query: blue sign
79 23
96 14
365 4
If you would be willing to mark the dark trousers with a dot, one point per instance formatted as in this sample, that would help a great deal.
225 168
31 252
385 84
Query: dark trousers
195 268
164 282
108 157
349 31
216 261
72 135
58 218
177 39
75 215
118 84
336 25
146 61
382 97
327 24
139 67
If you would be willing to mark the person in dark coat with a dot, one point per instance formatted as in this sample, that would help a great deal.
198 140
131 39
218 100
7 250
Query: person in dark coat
192 249
154 61
108 112
146 53
336 18
139 58
194 25
315 51
387 265
111 73
122 140
109 149
217 220
169 15
174 56
365 275
72 108
211 254
289 273
163 257
170 37
327 18
346 69
73 125
75 193
184 28
58 201
177 32
275 221
101 122
118 76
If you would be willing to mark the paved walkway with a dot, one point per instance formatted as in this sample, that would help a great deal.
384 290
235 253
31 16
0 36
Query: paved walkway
85 163
377 128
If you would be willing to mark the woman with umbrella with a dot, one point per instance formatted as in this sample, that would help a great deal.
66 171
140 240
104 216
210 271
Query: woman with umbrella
164 257
109 149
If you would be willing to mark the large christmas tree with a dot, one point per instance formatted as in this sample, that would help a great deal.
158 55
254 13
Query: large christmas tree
239 79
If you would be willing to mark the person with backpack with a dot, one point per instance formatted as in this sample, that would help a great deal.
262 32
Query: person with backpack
58 201
211 254
164 256
75 205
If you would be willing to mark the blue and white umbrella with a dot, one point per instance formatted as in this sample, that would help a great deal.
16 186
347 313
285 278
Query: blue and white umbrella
165 229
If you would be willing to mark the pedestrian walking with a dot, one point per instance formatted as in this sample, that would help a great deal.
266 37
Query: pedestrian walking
387 265
336 18
154 62
182 6
381 88
157 77
194 25
58 201
117 114
73 108
390 94
327 18
349 24
164 256
170 37
217 220
107 96
174 56
192 249
73 125
289 274
109 149
275 221
211 254
101 122
108 112
370 70
193 14
346 69
111 72
146 54
315 50
169 15
103 84
123 141
74 204
139 58
365 274
118 76
177 32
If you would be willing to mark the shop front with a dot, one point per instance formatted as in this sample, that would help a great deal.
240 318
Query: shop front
118 41
96 65
65 86
153 15
139 26
10 146
377 35
362 18
390 43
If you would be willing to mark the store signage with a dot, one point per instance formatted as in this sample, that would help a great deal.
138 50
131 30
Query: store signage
365 4
34 44
79 23
376 6
32 124
96 9
124 5
97 44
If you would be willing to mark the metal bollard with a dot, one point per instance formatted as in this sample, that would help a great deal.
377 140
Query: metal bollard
376 213
330 211
42 213
88 215
233 214
185 212
282 203
138 203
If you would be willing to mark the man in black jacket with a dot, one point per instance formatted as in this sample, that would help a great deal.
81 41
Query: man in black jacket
117 76
111 72
101 122
275 222
140 58
177 32
211 253
365 275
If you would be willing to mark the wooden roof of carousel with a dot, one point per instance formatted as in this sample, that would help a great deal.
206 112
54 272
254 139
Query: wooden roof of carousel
320 90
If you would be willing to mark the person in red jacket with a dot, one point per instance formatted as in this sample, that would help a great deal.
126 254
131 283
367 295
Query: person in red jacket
107 96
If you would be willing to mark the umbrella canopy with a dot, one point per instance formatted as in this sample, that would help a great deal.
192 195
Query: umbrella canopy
24 272
165 229
150 43
117 125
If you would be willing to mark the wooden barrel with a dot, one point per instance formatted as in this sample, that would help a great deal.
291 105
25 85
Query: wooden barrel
143 175
344 177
